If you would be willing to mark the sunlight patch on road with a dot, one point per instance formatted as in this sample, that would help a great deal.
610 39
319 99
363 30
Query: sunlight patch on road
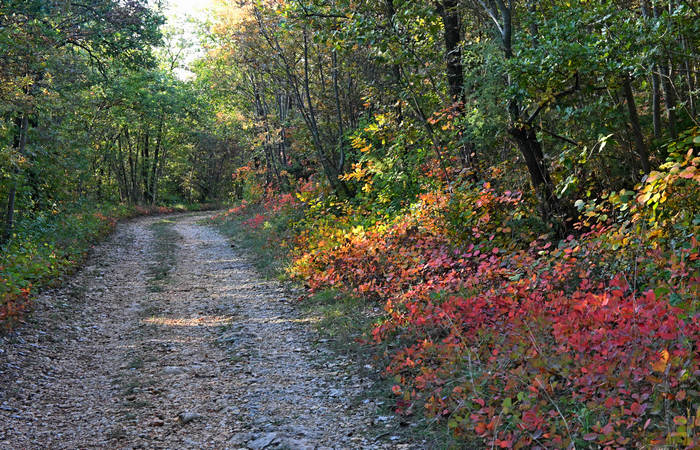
281 320
201 321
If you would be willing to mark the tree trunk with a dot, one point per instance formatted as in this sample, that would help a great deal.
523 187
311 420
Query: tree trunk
655 82
156 161
656 102
637 135
669 96
10 213
132 170
452 35
339 115
20 142
530 147
301 91
690 83
669 100
329 166
526 138
145 162
125 193
395 67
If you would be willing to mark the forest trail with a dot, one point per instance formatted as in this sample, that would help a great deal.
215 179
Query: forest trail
168 338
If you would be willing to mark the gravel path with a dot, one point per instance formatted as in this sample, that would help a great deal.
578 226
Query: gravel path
167 338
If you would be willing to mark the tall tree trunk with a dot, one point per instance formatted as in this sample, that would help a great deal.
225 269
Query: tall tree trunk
637 135
656 102
525 135
666 74
20 142
669 99
530 147
690 83
122 173
145 162
339 115
156 161
395 67
301 91
284 104
132 169
329 166
655 81
452 35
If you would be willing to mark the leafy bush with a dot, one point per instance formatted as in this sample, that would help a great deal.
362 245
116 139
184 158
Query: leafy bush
594 340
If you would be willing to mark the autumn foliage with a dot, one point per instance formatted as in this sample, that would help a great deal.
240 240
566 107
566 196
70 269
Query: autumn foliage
516 339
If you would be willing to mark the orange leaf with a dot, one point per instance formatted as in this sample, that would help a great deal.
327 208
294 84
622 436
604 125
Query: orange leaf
660 364
689 172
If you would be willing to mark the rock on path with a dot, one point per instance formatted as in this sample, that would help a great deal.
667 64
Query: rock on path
211 356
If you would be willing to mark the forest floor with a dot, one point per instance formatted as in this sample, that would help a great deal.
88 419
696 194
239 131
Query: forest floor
168 338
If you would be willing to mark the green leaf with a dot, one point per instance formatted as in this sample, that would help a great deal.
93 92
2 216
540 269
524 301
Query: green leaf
674 299
661 291
507 404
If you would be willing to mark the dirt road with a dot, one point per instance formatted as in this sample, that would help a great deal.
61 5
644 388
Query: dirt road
167 338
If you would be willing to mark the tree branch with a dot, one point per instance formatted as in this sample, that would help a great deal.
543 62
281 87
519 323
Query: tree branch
555 97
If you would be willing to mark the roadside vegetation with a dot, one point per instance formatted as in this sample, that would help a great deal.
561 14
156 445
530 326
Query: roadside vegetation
46 248
598 331
497 201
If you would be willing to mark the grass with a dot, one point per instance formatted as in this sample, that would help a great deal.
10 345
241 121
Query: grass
345 321
269 260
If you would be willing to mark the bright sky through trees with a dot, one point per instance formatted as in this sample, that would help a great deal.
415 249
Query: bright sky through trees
183 16
181 8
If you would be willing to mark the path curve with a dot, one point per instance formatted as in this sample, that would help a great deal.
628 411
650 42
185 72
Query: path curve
168 338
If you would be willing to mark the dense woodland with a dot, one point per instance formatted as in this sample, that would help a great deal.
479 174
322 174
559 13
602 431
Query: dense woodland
515 182
91 109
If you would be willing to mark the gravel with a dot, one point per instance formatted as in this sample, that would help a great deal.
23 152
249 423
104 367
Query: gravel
215 357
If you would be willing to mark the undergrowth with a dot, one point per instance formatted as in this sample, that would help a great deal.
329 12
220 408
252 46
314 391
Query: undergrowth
496 330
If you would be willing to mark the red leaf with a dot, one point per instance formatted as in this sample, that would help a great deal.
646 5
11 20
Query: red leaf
610 402
590 437
637 409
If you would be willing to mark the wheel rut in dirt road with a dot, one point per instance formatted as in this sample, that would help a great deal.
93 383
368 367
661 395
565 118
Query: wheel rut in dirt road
168 338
